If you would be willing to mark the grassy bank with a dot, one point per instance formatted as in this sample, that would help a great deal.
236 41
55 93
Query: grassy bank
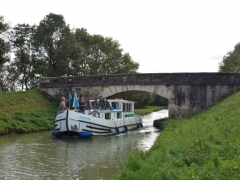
148 109
27 111
204 146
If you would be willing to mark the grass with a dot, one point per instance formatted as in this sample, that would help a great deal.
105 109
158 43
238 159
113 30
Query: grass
148 109
26 111
204 146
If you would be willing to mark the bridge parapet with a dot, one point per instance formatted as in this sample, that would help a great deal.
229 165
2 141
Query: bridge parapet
143 79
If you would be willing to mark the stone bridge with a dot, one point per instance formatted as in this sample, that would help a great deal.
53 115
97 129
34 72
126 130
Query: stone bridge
187 93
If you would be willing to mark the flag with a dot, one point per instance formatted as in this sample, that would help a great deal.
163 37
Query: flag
75 101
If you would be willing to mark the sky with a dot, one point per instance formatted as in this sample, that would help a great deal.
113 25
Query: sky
163 36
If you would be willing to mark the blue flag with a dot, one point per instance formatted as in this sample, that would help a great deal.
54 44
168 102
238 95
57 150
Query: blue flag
75 101
70 96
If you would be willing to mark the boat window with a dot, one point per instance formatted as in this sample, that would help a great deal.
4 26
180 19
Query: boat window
124 107
127 107
119 115
107 115
116 105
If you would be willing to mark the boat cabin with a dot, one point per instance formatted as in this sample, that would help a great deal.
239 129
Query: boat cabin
118 109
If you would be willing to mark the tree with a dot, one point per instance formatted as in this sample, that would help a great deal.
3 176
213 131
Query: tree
3 80
25 60
80 54
54 40
52 49
142 98
4 45
116 61
231 61
9 79
95 54
159 100
108 58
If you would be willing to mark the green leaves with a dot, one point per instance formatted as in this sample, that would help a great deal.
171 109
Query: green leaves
231 61
54 43
25 54
4 45
53 49
95 54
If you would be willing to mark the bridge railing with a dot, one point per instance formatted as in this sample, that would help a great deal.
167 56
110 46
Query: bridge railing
142 79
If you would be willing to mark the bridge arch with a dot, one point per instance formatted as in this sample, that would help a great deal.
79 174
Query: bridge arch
161 90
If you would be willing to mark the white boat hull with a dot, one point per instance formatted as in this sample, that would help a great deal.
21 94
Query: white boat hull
73 123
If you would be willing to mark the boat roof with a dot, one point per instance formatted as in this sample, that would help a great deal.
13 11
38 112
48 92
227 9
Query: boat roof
118 100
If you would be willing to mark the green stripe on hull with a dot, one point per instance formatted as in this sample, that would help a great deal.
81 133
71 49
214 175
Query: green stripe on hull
129 115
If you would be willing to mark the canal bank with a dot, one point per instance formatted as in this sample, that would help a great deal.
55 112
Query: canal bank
26 111
203 146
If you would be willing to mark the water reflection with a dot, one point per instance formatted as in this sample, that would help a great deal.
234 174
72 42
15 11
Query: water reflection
40 156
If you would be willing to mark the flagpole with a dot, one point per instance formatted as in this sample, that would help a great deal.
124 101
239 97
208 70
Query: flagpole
69 100
75 101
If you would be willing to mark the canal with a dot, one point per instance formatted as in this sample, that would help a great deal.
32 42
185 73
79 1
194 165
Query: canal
41 156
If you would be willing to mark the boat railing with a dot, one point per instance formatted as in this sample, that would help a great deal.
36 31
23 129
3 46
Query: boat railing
99 103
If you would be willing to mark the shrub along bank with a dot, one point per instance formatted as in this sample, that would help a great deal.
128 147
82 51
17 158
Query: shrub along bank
26 111
204 146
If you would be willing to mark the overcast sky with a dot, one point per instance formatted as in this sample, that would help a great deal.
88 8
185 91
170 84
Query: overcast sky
162 35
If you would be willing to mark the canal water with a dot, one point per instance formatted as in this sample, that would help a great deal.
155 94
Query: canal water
41 156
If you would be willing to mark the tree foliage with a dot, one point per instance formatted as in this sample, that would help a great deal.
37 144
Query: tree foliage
142 98
94 54
52 49
4 45
231 61
81 53
54 41
25 59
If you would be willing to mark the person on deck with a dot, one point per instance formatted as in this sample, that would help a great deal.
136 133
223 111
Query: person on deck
62 105
82 105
